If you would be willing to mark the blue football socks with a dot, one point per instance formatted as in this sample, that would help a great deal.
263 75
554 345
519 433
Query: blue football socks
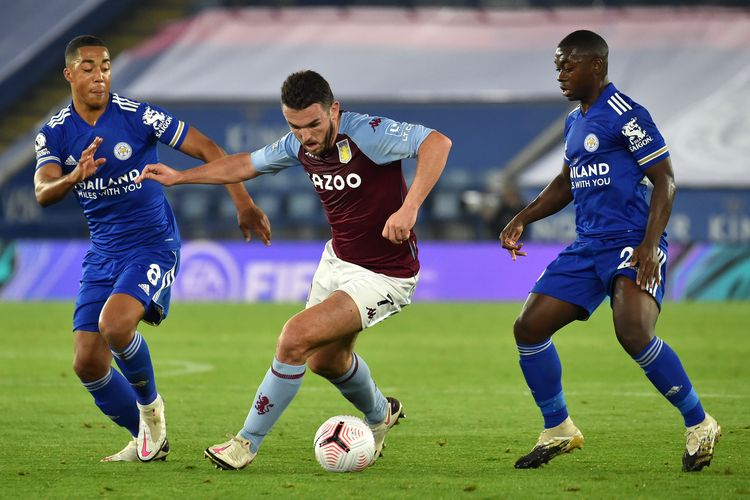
116 399
664 369
358 387
542 370
277 390
135 364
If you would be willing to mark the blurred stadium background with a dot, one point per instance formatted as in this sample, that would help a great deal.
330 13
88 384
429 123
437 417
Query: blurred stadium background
478 70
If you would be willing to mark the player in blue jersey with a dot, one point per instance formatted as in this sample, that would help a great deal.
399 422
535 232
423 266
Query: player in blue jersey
611 147
368 271
96 147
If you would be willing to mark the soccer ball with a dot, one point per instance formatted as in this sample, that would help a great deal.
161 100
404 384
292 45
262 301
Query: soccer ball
344 444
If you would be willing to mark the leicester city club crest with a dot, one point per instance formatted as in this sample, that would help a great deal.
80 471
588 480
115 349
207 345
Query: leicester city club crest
591 143
123 151
345 152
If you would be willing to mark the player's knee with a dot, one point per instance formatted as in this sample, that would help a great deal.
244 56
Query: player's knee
633 337
528 330
89 367
522 330
330 364
322 368
117 332
294 346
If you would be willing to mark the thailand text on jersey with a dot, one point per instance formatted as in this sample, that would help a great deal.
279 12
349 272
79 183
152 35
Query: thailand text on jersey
121 214
608 151
360 184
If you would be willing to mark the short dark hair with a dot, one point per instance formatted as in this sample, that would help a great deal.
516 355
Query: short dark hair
305 88
588 42
71 51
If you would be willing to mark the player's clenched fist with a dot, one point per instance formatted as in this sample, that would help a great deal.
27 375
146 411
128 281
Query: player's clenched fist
397 228
160 173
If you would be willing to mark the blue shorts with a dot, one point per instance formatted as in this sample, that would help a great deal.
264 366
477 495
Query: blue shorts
146 274
584 273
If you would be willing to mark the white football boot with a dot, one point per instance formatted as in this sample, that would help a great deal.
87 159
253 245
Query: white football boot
129 453
234 454
701 439
562 438
152 431
394 412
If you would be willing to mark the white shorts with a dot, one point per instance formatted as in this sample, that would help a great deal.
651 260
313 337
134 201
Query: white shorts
377 296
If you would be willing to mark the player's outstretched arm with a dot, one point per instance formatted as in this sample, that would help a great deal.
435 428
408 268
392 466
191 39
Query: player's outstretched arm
250 217
431 159
51 186
646 255
551 200
227 170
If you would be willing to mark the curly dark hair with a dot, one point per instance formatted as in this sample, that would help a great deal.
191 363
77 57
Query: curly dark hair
305 88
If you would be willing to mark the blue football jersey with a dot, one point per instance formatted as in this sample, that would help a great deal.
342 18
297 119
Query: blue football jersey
608 150
121 214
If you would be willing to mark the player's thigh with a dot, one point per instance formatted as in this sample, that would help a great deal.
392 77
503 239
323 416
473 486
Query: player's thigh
543 315
97 282
613 261
147 276
119 319
572 278
377 296
331 321
92 358
324 280
634 313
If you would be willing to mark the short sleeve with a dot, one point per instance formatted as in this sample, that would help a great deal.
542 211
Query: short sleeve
158 123
642 137
384 140
47 148
277 156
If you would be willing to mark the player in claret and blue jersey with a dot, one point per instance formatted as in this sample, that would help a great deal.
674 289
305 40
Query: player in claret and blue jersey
611 147
369 269
96 147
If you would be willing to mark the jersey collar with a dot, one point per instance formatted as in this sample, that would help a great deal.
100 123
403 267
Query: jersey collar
101 118
601 101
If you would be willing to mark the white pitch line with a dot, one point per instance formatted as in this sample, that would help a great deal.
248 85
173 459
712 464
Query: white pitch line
181 368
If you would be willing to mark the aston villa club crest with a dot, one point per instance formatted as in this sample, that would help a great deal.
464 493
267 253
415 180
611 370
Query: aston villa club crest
345 152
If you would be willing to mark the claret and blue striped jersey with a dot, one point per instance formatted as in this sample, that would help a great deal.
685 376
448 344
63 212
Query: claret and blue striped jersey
360 184
608 151
121 214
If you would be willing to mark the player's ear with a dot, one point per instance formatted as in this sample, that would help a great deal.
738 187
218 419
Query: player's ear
68 76
335 109
597 63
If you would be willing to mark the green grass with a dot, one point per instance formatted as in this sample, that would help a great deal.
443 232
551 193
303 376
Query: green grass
454 366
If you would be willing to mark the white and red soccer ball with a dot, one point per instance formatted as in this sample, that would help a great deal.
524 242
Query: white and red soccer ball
344 444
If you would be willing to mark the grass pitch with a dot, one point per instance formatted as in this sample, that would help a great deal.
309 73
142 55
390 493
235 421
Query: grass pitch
454 366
